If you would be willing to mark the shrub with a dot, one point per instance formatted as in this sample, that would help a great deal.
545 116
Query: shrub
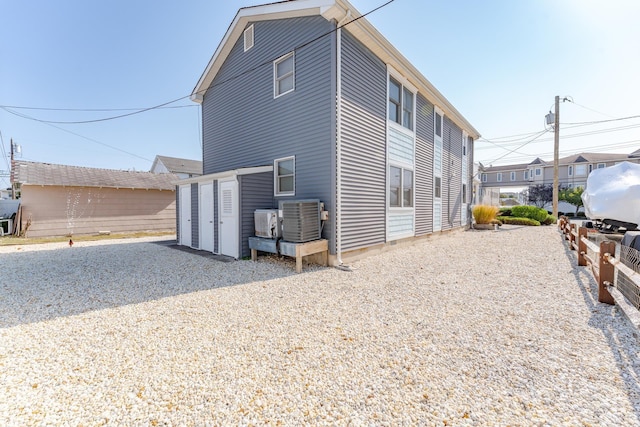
530 212
550 219
505 211
513 220
483 214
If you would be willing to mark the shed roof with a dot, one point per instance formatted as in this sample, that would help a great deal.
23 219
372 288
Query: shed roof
35 173
361 28
178 165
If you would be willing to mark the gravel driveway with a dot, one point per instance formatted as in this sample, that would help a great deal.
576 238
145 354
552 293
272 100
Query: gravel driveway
465 328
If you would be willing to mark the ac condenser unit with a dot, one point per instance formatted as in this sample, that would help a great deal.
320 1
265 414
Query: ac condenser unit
300 220
266 223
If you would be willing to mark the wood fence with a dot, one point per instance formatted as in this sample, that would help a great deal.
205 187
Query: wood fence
602 261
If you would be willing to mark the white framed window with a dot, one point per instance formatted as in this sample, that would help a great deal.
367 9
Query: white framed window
284 173
400 187
499 176
513 176
581 170
570 170
538 171
602 165
464 193
248 38
284 75
437 187
484 177
401 104
525 175
438 124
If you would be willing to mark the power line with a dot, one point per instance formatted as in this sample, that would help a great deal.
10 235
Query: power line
164 104
520 146
17 107
602 121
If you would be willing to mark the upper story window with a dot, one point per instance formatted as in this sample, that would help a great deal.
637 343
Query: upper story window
438 125
581 170
570 170
285 176
284 75
499 177
602 165
401 105
484 177
513 176
526 175
538 171
248 38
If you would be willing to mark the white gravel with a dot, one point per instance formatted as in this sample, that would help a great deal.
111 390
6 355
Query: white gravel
466 328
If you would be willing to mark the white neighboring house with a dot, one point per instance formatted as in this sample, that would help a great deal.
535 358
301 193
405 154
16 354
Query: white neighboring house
184 168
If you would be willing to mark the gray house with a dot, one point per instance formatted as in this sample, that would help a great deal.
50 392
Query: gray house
299 102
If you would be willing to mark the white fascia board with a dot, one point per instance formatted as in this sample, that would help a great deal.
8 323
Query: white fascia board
224 175
374 40
267 12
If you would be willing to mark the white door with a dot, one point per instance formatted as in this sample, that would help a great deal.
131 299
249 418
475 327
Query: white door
206 216
228 212
185 215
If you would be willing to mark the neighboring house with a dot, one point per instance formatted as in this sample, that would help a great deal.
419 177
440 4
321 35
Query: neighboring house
572 170
183 168
61 200
296 107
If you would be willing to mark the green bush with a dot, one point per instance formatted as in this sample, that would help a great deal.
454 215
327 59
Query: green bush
550 219
505 212
531 212
518 220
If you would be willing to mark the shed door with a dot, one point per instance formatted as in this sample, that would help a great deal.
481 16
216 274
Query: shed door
206 217
185 215
228 207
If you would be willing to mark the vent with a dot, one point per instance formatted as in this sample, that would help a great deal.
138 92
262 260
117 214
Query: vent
248 38
266 223
300 220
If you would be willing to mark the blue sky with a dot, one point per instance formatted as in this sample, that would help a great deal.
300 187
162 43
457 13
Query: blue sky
500 62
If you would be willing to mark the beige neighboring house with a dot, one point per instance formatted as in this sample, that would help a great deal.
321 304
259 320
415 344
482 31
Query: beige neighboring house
60 200
183 168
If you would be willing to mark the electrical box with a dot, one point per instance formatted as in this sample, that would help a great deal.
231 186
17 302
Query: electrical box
267 224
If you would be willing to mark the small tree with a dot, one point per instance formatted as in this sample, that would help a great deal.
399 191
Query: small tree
573 196
540 194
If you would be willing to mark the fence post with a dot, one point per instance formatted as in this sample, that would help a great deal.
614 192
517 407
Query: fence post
572 238
582 247
606 272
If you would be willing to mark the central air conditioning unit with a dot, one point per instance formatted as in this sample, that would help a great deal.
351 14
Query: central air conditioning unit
266 223
301 220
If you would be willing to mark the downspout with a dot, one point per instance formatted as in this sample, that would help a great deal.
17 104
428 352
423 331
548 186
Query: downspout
339 136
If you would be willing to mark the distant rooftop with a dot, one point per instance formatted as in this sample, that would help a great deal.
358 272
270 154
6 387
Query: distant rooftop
178 165
575 158
34 173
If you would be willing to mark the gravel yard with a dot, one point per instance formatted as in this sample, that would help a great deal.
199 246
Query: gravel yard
465 328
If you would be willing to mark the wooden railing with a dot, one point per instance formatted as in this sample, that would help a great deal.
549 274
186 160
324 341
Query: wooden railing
602 262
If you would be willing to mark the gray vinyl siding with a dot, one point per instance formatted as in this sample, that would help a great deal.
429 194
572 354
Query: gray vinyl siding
451 170
257 193
424 166
195 224
363 143
244 126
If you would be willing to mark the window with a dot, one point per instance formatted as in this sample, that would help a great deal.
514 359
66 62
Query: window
602 165
526 175
437 191
284 75
570 170
499 177
285 174
513 176
464 146
400 187
248 38
400 104
581 170
438 125
590 168
538 171
484 177
464 193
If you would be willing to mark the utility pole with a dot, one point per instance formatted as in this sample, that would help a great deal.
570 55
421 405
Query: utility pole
556 155
13 186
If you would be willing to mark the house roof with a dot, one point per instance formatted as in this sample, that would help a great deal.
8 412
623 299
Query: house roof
34 173
178 165
361 28
522 166
592 158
